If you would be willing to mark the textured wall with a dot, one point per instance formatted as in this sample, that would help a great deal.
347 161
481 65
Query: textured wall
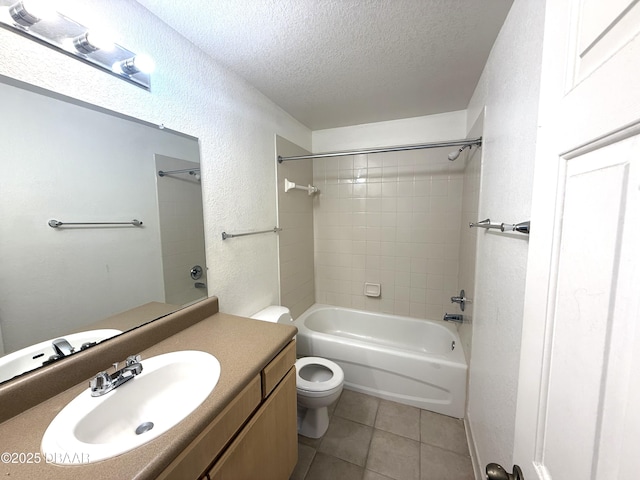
295 241
509 89
190 93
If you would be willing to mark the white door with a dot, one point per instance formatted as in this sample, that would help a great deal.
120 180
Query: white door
578 410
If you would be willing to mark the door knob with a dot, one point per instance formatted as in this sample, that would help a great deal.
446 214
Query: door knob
497 472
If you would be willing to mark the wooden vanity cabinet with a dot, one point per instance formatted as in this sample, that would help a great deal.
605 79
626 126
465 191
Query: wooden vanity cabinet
255 436
267 447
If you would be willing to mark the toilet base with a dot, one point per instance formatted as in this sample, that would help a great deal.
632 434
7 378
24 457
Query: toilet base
313 422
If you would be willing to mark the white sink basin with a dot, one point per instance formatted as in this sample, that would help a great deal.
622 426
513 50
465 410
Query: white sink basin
170 387
32 357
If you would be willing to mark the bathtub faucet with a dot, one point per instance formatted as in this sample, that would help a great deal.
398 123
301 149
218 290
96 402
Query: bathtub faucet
452 317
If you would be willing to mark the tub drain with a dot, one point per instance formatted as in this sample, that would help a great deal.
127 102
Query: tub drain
144 427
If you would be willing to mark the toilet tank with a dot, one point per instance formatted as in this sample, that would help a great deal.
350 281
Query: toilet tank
274 314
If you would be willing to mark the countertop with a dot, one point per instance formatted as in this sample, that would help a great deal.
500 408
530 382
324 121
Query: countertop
242 346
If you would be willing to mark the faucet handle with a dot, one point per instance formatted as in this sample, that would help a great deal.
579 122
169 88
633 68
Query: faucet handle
100 382
460 300
133 359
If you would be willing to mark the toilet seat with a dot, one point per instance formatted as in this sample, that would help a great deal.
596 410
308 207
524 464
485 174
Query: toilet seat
335 381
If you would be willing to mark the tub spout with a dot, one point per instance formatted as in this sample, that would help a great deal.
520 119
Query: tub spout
452 317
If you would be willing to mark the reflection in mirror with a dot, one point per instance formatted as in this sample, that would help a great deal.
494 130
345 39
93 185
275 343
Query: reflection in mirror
74 163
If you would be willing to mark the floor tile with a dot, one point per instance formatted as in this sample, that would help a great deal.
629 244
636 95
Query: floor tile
436 464
358 407
305 457
400 419
371 475
394 456
444 432
347 440
326 467
311 442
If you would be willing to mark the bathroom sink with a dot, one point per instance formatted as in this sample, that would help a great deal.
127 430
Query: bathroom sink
33 356
90 429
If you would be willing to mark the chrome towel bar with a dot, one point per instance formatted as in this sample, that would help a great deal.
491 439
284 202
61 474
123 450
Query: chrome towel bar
226 235
522 227
57 223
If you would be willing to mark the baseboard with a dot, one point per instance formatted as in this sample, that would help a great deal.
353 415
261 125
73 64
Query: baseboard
473 452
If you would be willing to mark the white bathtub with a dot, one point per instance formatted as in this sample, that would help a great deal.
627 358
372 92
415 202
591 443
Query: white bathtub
407 360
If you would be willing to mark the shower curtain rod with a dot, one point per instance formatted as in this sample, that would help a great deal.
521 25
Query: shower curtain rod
451 143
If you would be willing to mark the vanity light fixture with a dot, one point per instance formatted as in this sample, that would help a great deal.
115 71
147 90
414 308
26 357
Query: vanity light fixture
38 21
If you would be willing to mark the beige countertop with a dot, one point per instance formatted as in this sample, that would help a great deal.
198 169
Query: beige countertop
133 317
242 346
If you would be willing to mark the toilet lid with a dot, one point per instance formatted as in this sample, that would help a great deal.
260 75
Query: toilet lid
318 386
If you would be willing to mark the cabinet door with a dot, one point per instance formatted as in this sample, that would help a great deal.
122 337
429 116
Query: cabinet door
267 448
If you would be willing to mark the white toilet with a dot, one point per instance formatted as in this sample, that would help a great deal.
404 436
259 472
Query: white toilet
319 382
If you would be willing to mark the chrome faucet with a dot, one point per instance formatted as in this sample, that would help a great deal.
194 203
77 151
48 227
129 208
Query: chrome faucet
453 317
103 382
62 347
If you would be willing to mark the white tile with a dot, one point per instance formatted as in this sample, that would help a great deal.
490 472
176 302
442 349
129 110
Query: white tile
388 234
401 308
417 295
360 161
373 205
389 205
374 190
374 161
417 310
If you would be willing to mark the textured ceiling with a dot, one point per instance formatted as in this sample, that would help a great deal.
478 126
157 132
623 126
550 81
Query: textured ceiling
332 63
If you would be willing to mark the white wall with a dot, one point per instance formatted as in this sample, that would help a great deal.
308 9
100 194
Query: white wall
190 93
406 131
509 89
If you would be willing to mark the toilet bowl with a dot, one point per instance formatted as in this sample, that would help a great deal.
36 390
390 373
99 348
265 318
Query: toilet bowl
319 382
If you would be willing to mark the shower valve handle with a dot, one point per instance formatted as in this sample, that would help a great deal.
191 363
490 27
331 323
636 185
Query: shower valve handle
461 300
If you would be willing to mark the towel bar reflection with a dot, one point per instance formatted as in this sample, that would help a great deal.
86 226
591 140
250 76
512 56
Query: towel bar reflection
522 227
226 235
56 223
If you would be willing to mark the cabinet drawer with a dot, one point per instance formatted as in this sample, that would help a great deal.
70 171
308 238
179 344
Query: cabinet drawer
278 368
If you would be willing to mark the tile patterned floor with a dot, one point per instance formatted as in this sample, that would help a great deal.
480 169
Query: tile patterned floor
373 439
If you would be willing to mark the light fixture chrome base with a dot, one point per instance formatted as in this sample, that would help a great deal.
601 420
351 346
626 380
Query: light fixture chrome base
69 37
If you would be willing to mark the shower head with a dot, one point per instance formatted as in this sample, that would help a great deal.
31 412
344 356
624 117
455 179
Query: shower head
456 153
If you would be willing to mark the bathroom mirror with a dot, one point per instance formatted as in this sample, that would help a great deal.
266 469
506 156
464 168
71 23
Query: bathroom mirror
68 162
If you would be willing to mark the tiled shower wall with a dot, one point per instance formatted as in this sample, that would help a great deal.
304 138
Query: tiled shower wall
389 218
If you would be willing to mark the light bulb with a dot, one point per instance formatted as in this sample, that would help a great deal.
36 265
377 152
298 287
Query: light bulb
90 42
144 63
100 40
